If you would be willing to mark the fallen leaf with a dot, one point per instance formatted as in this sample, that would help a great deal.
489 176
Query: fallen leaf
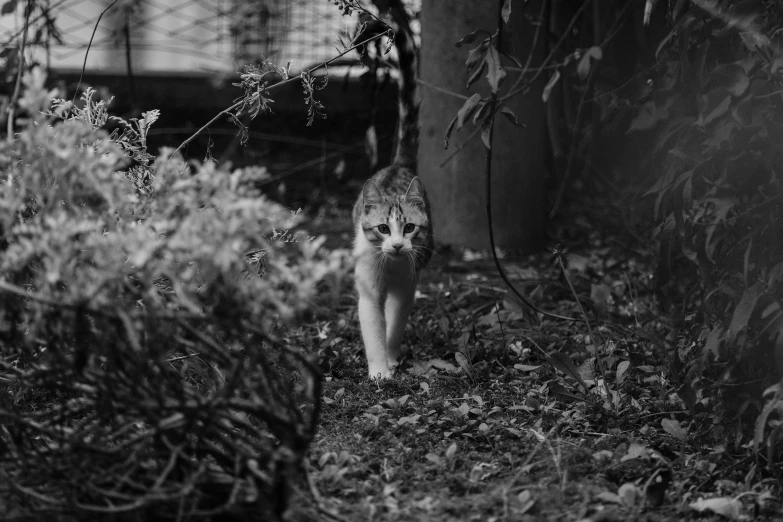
463 362
629 493
526 499
577 263
608 496
451 451
564 364
622 368
725 506
634 452
673 428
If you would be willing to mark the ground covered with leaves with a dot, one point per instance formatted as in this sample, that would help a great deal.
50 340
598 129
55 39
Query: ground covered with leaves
501 413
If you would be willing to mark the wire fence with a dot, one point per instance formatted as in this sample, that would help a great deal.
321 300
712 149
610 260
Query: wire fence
178 35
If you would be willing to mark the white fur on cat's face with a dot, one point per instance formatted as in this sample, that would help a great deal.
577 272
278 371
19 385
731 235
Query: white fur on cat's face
396 234
393 227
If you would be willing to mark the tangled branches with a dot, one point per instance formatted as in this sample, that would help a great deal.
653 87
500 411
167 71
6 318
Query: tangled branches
188 420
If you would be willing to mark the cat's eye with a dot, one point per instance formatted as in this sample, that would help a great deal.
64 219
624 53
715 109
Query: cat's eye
383 229
409 227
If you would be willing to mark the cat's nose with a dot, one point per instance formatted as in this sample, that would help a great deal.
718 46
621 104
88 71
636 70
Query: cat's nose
397 246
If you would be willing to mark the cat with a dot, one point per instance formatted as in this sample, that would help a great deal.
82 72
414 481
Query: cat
394 239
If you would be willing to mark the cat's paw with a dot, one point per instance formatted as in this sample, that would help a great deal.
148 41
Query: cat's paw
377 374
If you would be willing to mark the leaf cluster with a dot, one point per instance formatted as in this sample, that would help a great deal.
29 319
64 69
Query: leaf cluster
715 112
138 358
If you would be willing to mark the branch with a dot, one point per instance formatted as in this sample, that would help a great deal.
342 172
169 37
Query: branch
441 89
17 86
516 88
89 44
284 82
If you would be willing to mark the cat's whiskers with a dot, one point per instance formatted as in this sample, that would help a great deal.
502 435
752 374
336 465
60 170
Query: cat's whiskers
418 255
379 260
410 257
422 247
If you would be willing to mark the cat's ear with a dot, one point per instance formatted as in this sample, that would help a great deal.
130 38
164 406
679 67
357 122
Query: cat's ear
371 194
415 192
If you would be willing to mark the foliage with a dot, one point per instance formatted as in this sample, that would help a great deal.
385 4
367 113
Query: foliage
139 364
255 81
715 112
132 141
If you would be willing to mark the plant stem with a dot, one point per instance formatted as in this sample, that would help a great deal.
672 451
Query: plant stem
488 189
89 45
593 339
17 86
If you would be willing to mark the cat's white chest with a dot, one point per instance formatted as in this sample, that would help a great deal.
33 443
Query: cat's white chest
398 273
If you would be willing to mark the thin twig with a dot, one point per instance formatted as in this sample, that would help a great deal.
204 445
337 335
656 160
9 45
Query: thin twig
461 146
518 85
89 44
589 329
281 83
20 71
310 163
441 89
11 37
740 215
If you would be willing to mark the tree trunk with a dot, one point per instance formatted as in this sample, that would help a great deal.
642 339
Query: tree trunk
456 191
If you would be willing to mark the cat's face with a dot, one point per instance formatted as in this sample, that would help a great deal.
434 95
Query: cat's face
396 225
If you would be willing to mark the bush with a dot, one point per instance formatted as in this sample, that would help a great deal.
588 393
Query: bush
139 368
716 115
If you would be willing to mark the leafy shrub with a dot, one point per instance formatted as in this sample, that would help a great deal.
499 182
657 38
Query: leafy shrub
138 363
716 115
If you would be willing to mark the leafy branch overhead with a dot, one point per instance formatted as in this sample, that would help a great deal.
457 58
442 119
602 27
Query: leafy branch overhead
258 84
486 60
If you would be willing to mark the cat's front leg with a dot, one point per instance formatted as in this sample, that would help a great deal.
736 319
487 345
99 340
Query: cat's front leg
399 302
372 322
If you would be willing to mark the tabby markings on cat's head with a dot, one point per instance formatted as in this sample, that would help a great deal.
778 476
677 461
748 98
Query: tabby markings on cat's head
397 224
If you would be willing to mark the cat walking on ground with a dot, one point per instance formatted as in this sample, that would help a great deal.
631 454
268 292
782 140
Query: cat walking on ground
393 227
